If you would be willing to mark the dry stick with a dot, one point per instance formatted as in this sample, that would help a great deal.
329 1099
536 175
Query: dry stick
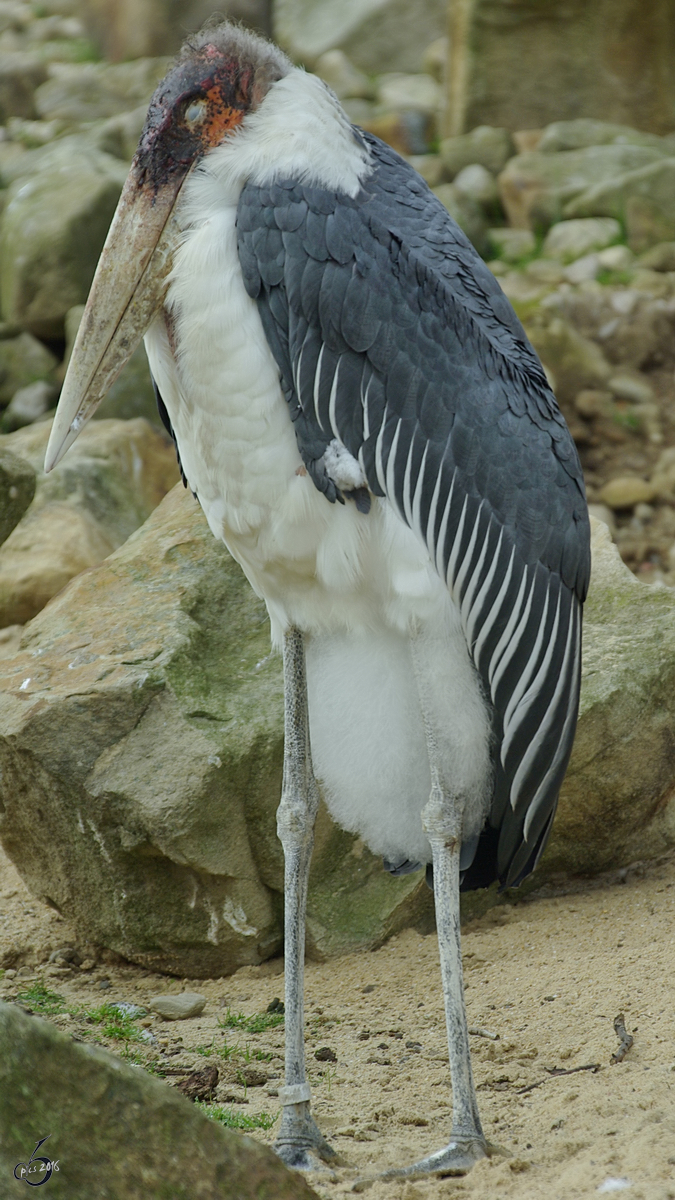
625 1041
558 1071
478 1031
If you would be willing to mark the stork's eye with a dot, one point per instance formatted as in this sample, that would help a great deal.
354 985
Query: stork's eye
196 112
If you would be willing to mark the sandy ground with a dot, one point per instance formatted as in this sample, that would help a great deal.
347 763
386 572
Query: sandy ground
547 976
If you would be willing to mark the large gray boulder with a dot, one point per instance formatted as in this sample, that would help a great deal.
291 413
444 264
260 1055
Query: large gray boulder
376 35
113 478
54 225
114 1131
537 189
90 91
643 200
142 742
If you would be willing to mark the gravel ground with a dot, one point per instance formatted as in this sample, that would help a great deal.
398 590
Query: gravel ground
547 975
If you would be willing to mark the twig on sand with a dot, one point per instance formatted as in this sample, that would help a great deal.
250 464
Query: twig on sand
559 1071
625 1040
478 1031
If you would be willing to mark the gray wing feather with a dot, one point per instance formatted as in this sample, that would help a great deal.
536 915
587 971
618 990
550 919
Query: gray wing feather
391 335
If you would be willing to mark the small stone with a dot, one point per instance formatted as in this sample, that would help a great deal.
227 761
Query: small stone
276 1006
10 973
325 1054
602 513
591 402
512 244
626 491
87 965
200 1085
476 182
487 145
178 1008
618 258
583 269
104 985
632 387
569 240
28 404
370 987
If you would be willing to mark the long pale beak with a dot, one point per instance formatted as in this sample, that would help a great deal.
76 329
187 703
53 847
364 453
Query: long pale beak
128 288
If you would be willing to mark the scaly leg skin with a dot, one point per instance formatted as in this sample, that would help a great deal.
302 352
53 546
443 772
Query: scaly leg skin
442 822
300 1143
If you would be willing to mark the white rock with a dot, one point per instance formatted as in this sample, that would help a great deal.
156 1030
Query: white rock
476 182
632 387
569 240
583 269
408 93
29 404
616 258
178 1008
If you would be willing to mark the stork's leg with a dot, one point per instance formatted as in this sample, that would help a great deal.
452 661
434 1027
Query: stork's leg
300 1143
442 820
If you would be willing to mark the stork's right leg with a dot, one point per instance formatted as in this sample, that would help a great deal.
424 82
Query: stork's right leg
300 1143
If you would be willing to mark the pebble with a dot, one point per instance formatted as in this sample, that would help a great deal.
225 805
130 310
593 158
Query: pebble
178 1008
325 1054
626 491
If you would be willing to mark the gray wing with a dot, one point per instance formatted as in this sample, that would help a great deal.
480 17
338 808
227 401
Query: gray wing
392 336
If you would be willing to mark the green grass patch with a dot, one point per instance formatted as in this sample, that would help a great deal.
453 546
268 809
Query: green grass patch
115 1025
225 1052
235 1120
258 1023
38 998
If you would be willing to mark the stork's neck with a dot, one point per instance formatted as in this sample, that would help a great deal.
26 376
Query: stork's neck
300 131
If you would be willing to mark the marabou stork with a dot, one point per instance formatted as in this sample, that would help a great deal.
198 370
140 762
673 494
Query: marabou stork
368 430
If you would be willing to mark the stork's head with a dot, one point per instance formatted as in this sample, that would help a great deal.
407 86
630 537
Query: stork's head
220 76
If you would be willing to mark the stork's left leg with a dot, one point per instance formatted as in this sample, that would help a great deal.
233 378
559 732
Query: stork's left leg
442 820
300 1143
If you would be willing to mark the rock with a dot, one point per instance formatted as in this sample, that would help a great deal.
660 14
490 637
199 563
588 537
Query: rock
489 146
569 240
600 512
525 65
178 1008
626 491
429 167
120 135
590 403
150 739
583 132
539 189
17 488
466 213
575 361
99 1110
89 504
200 1085
478 184
629 385
660 257
643 199
512 244
253 1076
616 258
583 269
342 76
617 803
91 91
20 75
23 361
53 229
633 327
29 404
408 93
376 35
128 29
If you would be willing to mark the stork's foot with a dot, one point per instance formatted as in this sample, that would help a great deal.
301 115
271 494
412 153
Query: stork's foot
301 1144
457 1158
